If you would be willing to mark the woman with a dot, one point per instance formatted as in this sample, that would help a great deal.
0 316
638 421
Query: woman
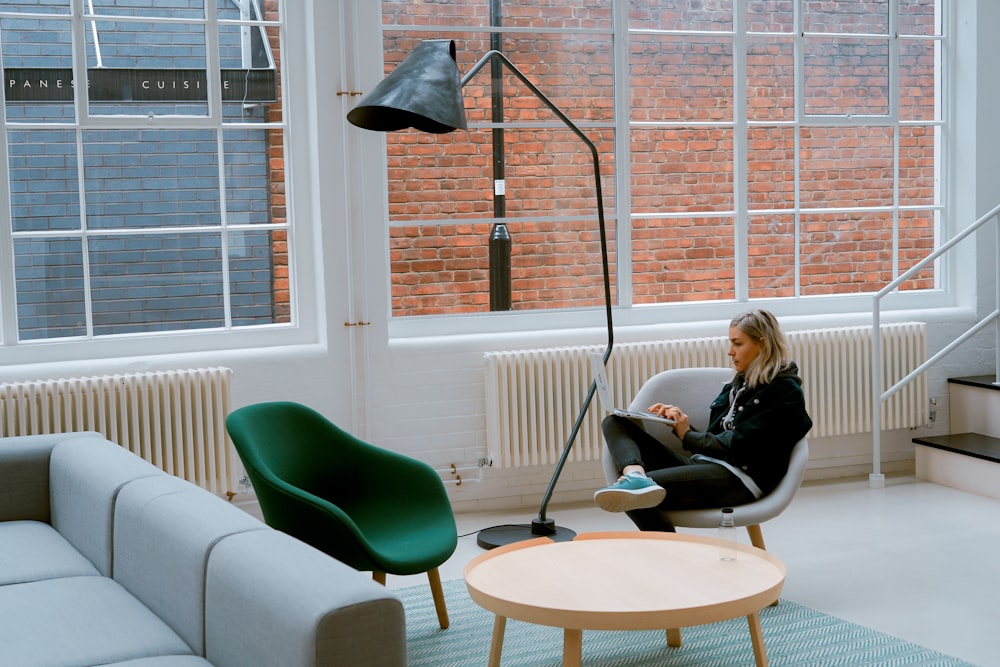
753 425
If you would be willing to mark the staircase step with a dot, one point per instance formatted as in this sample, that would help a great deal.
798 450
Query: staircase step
982 381
971 444
966 461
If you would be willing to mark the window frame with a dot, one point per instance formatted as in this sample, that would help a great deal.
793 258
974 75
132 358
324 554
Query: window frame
947 270
304 325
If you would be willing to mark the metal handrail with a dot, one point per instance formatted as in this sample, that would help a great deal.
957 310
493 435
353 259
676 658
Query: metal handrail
877 479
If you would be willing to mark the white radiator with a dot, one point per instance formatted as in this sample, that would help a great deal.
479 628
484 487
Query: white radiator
533 396
173 419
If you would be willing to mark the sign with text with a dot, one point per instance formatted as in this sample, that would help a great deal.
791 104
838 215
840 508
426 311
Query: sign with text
41 84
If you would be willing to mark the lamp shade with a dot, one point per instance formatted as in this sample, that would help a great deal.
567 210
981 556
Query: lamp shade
424 92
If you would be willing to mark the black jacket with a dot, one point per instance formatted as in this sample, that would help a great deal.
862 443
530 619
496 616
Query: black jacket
769 420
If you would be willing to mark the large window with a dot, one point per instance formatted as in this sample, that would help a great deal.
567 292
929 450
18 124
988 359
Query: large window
751 149
152 198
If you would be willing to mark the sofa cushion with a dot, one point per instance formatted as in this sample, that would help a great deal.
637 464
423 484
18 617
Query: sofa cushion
31 551
78 621
85 475
318 611
167 526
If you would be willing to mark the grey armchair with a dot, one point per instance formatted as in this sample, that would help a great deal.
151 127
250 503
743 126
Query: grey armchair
692 390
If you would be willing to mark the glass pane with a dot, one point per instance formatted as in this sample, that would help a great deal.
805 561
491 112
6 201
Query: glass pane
445 268
44 182
917 234
771 167
547 172
918 66
147 67
770 78
575 74
682 259
770 15
48 275
247 55
258 277
189 9
918 180
680 15
154 282
682 169
151 178
771 240
38 75
37 6
845 253
846 167
846 76
850 16
255 193
548 14
675 78
919 17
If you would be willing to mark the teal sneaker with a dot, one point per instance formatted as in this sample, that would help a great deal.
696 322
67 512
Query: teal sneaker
631 492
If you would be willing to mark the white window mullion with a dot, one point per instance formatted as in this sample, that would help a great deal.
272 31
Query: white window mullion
741 153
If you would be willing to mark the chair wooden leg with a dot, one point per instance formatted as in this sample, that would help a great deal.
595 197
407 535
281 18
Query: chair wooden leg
757 539
438 594
379 577
756 536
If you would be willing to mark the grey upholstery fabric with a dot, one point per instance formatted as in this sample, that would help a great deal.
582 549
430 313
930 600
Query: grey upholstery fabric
196 581
168 526
33 551
24 475
79 621
317 611
85 475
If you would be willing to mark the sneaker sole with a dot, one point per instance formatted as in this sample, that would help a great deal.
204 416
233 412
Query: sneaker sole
618 500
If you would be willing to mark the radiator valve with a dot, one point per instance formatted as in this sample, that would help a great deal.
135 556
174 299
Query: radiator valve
931 411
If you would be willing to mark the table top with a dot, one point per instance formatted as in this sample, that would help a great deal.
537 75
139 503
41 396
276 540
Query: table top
623 581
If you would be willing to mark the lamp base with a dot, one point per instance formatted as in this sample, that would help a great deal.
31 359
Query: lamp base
498 536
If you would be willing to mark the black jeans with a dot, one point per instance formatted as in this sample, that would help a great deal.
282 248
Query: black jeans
689 484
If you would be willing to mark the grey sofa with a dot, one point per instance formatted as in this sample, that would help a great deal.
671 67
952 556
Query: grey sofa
106 560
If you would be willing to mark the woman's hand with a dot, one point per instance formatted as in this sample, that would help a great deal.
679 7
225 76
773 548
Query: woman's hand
681 423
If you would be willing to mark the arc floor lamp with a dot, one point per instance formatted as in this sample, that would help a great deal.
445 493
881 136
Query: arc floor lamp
425 92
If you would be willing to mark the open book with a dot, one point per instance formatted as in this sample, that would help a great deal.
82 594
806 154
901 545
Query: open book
604 394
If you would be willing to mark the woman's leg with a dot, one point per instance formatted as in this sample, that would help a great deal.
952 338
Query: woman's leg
630 444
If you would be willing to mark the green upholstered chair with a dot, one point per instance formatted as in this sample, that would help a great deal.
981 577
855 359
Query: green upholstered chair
369 507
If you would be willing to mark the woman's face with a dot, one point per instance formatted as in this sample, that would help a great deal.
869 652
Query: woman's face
742 349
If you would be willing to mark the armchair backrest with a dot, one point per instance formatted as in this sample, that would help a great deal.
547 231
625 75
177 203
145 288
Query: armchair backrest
690 389
293 443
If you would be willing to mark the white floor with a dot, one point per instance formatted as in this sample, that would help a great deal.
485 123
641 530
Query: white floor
915 560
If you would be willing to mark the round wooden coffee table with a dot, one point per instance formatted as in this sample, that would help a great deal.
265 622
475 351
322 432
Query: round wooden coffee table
623 581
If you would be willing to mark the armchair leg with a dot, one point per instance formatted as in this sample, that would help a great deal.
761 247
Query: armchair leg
438 594
379 577
756 536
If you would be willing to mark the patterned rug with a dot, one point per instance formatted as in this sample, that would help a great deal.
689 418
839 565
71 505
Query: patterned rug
793 635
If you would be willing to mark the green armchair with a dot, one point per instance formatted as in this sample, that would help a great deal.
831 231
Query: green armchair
368 507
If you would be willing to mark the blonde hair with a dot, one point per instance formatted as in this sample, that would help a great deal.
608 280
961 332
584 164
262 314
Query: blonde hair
762 326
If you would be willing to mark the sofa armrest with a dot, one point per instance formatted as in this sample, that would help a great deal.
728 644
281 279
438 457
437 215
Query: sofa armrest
24 477
271 599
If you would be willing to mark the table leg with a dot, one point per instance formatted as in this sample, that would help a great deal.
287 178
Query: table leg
572 647
496 648
757 637
673 636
